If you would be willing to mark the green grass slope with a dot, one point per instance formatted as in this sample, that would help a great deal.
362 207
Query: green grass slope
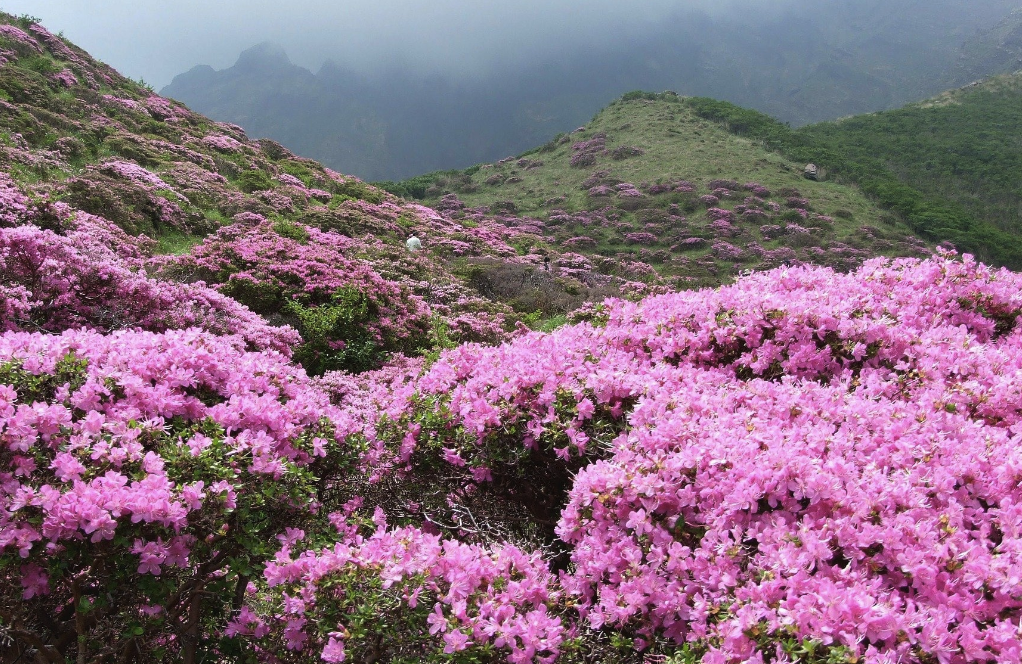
653 141
867 151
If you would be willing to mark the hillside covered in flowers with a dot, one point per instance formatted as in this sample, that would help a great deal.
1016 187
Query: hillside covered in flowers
241 422
651 181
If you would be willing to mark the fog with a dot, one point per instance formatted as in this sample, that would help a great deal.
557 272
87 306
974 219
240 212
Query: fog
156 40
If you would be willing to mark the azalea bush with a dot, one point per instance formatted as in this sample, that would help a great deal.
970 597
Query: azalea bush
144 479
804 466
347 313
401 594
56 282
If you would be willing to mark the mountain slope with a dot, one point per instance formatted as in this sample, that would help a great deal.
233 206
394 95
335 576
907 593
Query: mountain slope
962 146
997 50
284 246
802 61
649 180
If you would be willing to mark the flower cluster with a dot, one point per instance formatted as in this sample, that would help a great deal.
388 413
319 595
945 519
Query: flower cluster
129 464
450 597
806 455
63 282
584 153
222 143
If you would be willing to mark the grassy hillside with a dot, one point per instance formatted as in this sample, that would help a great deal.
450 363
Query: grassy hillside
576 185
874 170
964 146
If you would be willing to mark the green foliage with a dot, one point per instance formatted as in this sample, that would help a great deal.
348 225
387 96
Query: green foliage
253 180
41 64
439 339
299 170
125 147
962 147
175 243
27 20
141 82
359 191
419 187
337 335
291 229
929 215
643 95
69 371
24 86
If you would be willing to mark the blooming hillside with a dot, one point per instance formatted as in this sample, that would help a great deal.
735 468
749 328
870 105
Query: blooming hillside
649 182
290 440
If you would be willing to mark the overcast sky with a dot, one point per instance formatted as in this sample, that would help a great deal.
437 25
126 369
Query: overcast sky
158 39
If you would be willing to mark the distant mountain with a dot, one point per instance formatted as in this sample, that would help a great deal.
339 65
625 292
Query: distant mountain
813 61
994 51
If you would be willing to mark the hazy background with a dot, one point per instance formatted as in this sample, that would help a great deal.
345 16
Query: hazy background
156 40
393 88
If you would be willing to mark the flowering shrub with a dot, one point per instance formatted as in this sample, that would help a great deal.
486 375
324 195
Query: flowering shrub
450 203
66 78
719 213
222 143
134 173
727 251
628 190
304 274
162 109
20 37
759 510
129 104
641 238
625 152
144 479
689 243
754 215
424 596
579 242
584 153
596 178
64 282
724 228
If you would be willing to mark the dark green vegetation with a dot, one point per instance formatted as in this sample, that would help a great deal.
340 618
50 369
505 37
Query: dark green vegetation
964 147
950 166
800 60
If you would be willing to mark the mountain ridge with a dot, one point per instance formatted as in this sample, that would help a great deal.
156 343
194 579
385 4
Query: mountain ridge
828 63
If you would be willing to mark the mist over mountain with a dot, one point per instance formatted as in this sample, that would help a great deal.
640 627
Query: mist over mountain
997 50
801 62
